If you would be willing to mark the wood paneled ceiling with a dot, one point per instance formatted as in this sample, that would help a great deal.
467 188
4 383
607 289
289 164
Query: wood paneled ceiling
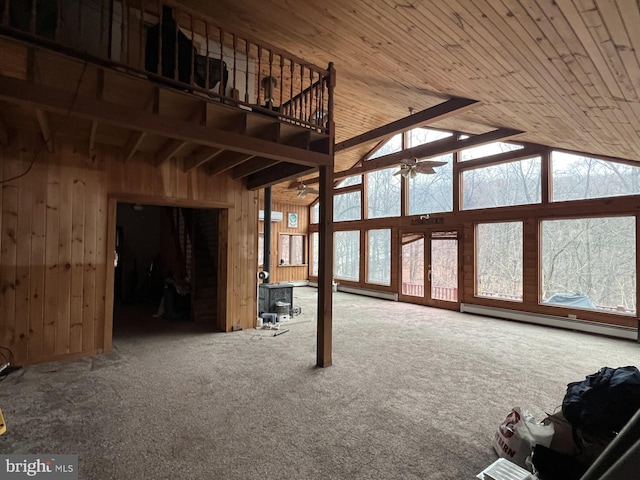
566 72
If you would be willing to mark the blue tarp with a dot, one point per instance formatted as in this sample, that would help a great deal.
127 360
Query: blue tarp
571 300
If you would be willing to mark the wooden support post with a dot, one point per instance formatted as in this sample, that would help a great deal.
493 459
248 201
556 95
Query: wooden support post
325 269
325 252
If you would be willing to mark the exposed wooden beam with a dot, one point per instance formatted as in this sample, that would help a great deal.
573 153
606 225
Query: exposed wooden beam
277 174
200 157
4 133
226 161
433 114
252 166
44 97
94 124
92 140
427 150
134 142
136 138
45 128
169 149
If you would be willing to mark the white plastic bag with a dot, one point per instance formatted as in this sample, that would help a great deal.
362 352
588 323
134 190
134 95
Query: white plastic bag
518 434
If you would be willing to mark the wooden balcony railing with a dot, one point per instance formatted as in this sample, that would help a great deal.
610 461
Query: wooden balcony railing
179 47
449 294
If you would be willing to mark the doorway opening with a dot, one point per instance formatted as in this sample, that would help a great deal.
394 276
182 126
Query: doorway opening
166 270
430 268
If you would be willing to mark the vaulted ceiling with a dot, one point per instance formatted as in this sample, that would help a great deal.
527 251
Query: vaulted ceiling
566 72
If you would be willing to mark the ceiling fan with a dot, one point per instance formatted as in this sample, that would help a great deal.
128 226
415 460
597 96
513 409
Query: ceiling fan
411 167
303 190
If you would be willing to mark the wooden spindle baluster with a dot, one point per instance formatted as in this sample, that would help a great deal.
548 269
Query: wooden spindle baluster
235 69
318 109
270 104
206 61
160 20
176 75
247 51
259 74
141 37
58 18
125 32
291 101
221 87
32 22
5 13
302 108
79 21
129 33
193 56
310 96
281 79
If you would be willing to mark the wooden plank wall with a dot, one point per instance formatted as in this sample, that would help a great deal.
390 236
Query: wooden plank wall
56 275
287 273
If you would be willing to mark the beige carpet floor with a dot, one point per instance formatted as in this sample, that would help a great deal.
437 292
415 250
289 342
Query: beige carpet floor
414 393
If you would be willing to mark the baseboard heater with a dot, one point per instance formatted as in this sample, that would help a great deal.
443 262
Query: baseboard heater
552 321
363 291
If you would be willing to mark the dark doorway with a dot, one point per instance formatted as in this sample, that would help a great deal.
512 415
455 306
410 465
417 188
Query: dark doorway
166 269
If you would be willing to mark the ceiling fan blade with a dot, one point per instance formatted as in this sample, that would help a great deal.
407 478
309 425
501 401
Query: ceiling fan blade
433 163
313 191
427 169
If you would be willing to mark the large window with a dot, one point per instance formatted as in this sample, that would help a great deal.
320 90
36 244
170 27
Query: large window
379 256
420 136
394 144
346 257
291 249
315 246
499 260
590 263
346 206
482 151
383 193
576 177
349 181
505 184
315 213
432 193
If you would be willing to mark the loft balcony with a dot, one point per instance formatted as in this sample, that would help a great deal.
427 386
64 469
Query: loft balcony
159 78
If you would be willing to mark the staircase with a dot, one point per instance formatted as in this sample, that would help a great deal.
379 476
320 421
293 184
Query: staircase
205 266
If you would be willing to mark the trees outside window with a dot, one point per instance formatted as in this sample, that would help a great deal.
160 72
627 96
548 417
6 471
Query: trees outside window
383 193
432 193
499 260
505 184
594 258
291 249
379 256
346 256
347 206
577 177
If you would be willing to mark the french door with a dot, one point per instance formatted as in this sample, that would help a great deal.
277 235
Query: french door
430 268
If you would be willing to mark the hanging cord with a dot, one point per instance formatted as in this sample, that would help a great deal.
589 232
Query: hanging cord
51 135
